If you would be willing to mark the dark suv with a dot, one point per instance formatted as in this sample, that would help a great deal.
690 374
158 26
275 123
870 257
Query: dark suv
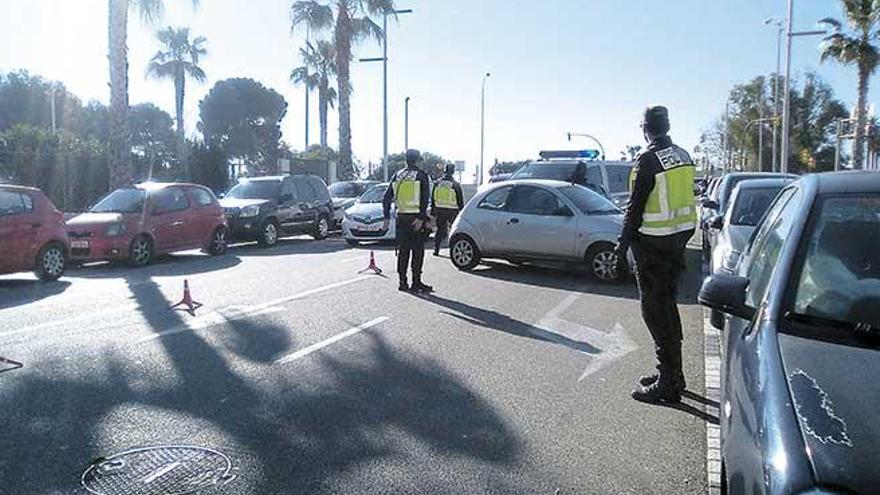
263 208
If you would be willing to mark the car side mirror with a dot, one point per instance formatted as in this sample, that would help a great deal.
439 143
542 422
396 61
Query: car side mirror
708 203
562 211
726 293
717 222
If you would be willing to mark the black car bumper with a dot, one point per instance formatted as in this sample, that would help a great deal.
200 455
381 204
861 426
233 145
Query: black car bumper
244 228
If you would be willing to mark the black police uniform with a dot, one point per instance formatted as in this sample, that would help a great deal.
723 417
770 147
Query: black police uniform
410 241
445 216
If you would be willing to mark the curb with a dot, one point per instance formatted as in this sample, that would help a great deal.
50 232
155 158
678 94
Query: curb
712 355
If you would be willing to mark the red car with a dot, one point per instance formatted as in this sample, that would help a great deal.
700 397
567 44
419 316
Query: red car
136 224
32 235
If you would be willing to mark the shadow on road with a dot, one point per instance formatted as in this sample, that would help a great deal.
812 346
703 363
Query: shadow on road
290 245
174 265
15 292
503 323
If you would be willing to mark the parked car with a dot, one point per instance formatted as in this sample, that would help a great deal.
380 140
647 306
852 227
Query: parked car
499 178
32 235
538 220
748 204
610 178
345 193
363 221
139 223
265 208
717 203
802 357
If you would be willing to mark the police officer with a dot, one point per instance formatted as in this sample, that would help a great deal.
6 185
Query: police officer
579 176
410 190
446 201
660 219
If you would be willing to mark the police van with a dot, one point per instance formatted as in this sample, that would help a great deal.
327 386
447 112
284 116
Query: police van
610 177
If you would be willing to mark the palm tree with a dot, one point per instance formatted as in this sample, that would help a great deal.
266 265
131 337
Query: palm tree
317 71
117 41
178 59
856 48
350 23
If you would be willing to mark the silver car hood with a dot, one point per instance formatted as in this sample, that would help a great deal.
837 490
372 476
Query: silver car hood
367 210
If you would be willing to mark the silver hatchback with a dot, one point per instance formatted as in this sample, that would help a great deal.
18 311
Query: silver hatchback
538 220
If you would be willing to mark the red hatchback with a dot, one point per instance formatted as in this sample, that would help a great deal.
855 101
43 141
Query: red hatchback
32 235
147 220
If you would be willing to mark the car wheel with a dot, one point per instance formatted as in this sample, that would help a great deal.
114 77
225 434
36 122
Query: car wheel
322 229
50 262
268 234
601 260
464 253
218 243
353 242
140 252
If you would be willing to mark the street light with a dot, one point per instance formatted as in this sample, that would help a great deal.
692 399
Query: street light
482 127
779 29
406 123
384 60
601 148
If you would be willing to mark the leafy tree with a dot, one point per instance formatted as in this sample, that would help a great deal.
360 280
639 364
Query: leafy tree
117 42
433 164
243 118
152 141
209 166
25 99
317 72
350 23
507 167
177 60
633 151
856 48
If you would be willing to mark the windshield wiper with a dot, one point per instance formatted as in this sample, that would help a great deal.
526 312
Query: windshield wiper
859 329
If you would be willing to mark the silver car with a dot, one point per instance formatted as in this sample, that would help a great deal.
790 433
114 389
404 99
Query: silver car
363 220
538 220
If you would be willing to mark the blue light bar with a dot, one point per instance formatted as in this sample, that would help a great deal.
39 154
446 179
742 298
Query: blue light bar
588 154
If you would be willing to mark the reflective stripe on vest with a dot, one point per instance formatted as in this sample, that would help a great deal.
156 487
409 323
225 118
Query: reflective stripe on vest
444 195
407 192
670 208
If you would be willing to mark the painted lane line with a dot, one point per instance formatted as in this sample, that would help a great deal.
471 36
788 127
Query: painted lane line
332 340
614 346
236 312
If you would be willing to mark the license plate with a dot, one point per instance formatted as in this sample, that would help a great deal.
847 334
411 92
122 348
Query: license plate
79 244
373 228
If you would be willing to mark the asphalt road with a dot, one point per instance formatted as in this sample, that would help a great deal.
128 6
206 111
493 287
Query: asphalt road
310 378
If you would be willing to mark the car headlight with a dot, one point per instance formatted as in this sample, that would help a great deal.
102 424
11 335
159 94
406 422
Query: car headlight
115 230
249 211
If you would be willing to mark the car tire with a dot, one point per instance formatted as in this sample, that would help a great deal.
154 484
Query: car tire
140 251
353 242
322 228
218 243
50 263
600 259
464 253
268 234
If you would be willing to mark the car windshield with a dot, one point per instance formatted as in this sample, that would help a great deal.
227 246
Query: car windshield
751 204
840 277
255 189
345 190
373 195
588 201
550 171
121 201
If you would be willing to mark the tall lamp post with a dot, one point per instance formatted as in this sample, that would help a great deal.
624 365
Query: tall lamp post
406 123
482 127
601 148
779 30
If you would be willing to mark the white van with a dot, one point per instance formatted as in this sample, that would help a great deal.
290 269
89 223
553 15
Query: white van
611 176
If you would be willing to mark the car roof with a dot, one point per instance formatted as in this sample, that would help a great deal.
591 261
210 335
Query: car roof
555 184
765 183
846 182
13 187
588 163
155 186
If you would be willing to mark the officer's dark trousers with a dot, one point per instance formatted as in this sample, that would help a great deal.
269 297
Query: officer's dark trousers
410 245
445 217
659 264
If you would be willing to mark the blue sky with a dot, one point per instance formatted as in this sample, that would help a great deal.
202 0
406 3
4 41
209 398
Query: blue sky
557 65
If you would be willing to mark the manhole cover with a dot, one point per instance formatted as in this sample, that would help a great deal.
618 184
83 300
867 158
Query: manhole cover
158 471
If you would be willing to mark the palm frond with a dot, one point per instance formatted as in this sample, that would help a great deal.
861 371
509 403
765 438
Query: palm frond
832 23
196 72
312 14
331 96
377 7
150 11
364 28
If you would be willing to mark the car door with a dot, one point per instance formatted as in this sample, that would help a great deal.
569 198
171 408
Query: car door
289 211
489 219
307 202
323 202
539 224
172 224
203 215
18 231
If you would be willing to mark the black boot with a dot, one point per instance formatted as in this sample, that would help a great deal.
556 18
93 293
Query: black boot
421 288
403 286
659 392
648 380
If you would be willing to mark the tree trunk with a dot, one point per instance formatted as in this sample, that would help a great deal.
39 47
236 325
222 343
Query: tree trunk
322 113
343 60
120 148
179 91
861 119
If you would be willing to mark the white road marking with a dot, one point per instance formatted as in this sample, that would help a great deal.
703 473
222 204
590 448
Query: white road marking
332 340
614 346
67 321
235 312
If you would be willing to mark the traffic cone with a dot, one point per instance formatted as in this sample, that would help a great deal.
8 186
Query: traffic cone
372 267
191 306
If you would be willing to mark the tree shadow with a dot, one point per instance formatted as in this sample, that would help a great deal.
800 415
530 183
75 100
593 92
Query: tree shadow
503 323
18 292
289 245
172 265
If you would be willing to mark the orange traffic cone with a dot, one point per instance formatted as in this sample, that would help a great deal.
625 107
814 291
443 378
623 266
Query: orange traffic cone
372 267
191 306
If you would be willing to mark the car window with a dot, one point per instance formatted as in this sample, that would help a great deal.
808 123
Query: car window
319 188
618 178
594 175
496 200
749 205
551 171
121 201
531 200
202 197
840 277
767 246
344 190
288 188
255 189
303 191
589 201
373 195
14 203
169 200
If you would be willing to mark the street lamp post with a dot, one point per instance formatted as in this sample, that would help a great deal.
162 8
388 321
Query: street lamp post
482 127
601 148
406 123
778 23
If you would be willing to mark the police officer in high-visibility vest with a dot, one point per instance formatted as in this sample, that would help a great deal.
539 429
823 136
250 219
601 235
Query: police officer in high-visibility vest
409 191
660 219
446 201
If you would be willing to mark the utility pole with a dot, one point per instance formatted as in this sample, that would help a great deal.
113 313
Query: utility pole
761 129
52 105
482 127
786 106
406 123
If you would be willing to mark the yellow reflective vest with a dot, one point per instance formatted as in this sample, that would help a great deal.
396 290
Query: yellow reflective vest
444 195
671 206
407 192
